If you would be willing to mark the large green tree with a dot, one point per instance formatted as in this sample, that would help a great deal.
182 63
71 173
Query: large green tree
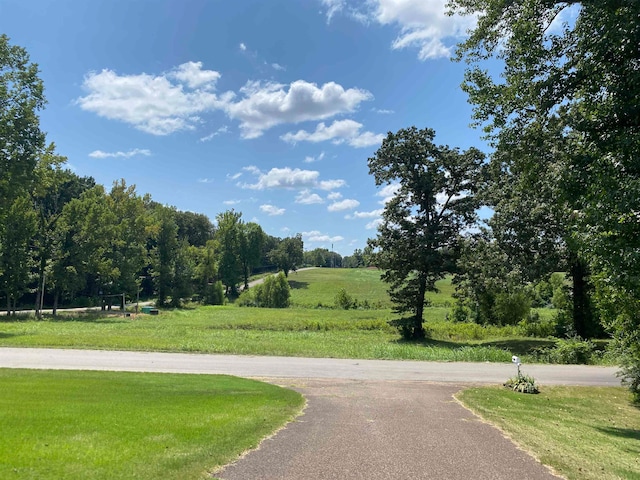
580 78
289 254
434 202
21 140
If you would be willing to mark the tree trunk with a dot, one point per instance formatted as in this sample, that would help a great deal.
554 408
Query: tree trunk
8 304
583 319
55 303
418 329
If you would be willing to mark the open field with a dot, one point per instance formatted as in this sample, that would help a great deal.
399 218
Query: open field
583 433
108 425
314 328
319 286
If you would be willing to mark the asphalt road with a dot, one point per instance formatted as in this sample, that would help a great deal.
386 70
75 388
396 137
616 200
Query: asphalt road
317 368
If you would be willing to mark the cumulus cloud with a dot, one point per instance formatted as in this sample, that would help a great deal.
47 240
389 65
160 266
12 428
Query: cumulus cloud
306 197
334 196
317 236
340 131
371 214
266 105
289 178
159 105
346 204
129 154
193 76
271 210
388 192
176 100
422 24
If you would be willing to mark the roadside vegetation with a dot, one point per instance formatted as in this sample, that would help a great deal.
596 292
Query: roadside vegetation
317 326
582 432
120 425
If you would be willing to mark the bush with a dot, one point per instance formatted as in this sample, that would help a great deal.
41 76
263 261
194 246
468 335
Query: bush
459 313
510 308
345 301
214 294
274 292
522 383
573 350
532 326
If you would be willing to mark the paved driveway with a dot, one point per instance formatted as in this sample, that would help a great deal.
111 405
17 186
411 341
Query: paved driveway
365 419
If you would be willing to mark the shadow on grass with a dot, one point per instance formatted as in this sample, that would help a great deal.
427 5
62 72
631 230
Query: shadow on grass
517 346
298 285
621 432
520 346
8 335
98 317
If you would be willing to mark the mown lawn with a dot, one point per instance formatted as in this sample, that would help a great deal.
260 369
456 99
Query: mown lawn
114 425
582 432
319 286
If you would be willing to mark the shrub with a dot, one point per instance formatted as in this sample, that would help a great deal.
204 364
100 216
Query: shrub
533 326
522 383
573 350
345 301
274 292
404 326
214 294
510 308
459 313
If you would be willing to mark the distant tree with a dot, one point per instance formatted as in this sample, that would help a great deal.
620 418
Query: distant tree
421 224
15 257
228 244
195 227
289 254
164 253
251 238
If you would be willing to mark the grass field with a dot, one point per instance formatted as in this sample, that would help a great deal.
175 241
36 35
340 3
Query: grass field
312 328
319 286
583 433
108 425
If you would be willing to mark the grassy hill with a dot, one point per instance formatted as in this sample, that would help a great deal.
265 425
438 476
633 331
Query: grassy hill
318 287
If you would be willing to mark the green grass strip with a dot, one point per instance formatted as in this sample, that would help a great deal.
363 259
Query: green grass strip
113 425
582 432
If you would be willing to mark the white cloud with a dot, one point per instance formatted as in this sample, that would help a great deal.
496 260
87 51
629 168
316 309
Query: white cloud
334 196
317 236
339 131
277 66
289 178
373 224
129 154
346 204
382 111
205 180
422 24
231 202
331 184
266 105
310 159
243 47
388 192
271 210
153 104
192 74
220 131
305 197
235 176
371 214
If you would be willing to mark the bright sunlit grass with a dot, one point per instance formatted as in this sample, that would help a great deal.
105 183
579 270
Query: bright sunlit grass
107 425
582 432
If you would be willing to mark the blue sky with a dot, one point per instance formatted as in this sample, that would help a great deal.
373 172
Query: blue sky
267 107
